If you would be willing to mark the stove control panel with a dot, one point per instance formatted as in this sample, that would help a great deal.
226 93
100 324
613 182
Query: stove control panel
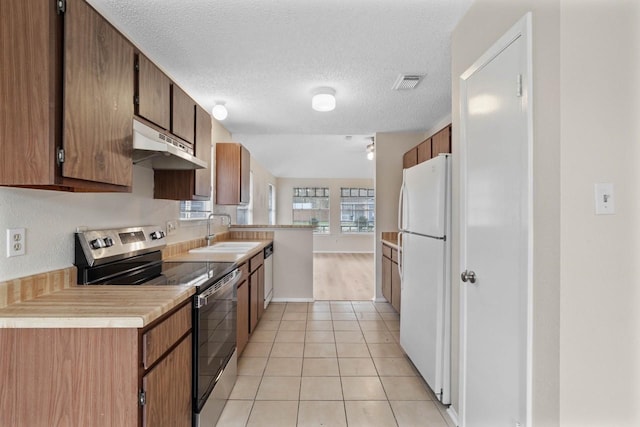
99 246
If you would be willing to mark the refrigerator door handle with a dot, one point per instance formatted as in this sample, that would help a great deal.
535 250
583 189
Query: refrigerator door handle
400 210
401 246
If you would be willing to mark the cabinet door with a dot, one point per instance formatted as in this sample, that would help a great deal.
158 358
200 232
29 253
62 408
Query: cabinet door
442 141
386 278
260 273
168 390
243 316
183 114
410 158
203 152
395 286
98 98
28 90
233 164
154 93
254 282
424 151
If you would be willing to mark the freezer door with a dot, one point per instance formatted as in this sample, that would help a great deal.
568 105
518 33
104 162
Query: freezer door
425 197
422 317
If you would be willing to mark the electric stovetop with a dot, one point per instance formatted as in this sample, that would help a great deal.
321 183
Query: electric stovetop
197 274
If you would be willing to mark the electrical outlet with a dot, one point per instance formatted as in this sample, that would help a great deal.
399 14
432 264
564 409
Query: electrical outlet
171 227
16 242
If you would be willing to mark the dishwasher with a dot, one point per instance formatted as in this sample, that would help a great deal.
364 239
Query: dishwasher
268 274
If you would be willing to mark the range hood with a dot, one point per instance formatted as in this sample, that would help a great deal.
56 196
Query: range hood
162 150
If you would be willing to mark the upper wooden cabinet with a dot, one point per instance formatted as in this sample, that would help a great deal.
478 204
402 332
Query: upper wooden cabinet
410 158
153 97
183 117
61 126
429 148
189 184
233 164
442 142
424 150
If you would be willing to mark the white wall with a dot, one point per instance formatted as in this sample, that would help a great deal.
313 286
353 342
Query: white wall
51 217
261 180
335 241
600 270
483 24
390 148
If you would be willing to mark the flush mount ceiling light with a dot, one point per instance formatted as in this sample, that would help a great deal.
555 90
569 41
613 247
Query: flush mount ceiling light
219 111
371 150
324 99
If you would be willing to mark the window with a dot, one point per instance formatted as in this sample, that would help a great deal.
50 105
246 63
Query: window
311 206
190 210
272 204
244 213
357 210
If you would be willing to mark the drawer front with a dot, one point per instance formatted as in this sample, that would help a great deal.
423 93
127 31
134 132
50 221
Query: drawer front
244 272
386 251
256 261
159 339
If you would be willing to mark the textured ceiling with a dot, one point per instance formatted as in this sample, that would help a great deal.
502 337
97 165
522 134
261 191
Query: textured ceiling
265 58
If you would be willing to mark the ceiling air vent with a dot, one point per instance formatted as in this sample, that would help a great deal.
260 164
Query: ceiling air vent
407 81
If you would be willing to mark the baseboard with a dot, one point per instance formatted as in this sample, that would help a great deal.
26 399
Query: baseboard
343 252
453 416
292 300
381 299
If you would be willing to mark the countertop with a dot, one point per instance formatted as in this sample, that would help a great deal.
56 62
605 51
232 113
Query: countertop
302 226
109 306
221 257
100 306
393 244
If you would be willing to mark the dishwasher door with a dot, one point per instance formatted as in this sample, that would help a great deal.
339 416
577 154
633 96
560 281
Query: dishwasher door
268 274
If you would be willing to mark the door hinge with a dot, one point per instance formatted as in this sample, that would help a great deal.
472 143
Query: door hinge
60 156
519 86
142 398
61 6
136 100
137 66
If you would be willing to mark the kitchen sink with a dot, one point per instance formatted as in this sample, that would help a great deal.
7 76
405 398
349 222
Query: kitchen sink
227 248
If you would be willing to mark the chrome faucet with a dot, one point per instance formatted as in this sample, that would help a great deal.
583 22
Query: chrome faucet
209 237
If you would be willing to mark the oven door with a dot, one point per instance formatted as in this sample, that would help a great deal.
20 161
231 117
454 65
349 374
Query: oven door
215 335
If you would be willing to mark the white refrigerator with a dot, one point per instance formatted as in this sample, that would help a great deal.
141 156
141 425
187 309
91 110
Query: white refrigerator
425 232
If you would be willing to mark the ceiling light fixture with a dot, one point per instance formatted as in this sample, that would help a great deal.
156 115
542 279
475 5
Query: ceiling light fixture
220 111
371 149
324 99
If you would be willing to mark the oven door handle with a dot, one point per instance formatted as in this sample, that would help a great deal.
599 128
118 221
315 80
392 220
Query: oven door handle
221 285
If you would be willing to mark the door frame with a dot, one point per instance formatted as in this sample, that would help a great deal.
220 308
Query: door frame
522 29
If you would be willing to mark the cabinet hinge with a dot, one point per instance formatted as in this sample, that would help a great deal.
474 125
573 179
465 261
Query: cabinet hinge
60 156
136 66
519 86
142 398
61 6
136 100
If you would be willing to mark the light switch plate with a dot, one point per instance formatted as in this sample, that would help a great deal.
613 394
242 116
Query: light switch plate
605 203
16 242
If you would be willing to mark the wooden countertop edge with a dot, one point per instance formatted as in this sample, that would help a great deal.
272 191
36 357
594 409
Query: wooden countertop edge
34 314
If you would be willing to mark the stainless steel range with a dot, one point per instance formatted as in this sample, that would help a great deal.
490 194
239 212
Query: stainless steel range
132 256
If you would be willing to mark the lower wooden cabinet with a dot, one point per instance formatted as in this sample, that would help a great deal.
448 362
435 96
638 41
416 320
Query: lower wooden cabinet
391 276
96 376
242 325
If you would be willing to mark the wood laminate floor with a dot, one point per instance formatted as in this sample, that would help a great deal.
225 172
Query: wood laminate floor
343 277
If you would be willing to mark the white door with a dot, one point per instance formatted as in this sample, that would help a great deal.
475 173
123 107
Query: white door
495 228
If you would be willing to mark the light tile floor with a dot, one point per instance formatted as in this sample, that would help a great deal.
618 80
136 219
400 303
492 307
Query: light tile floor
329 363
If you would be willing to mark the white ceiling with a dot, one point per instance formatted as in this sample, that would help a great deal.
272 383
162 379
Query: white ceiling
265 58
